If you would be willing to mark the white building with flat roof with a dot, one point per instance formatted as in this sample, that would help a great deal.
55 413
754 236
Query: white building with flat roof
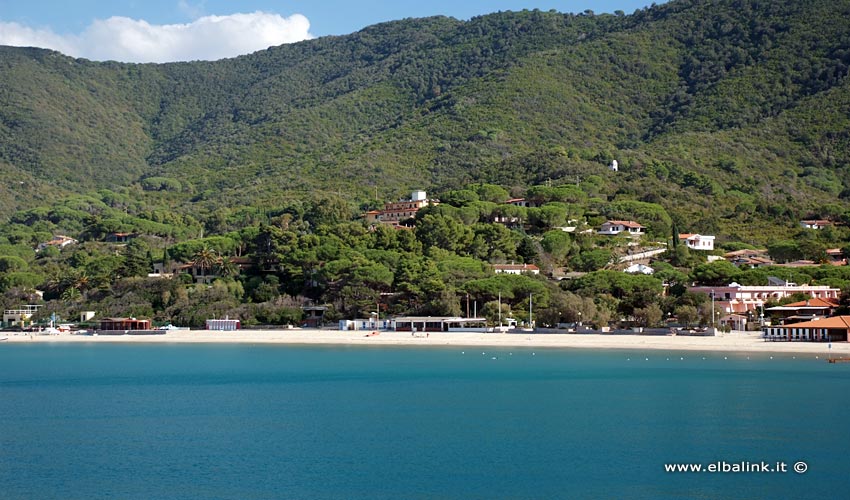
736 298
20 316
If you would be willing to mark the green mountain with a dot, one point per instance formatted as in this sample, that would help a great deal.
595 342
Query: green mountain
734 115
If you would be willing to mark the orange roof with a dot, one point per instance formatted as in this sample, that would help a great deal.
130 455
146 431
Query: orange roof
834 322
530 267
627 223
739 253
814 302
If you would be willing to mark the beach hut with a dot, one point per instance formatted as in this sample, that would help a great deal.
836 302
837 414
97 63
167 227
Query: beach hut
225 324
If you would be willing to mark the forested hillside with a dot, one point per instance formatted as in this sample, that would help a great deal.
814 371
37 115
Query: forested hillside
699 101
727 117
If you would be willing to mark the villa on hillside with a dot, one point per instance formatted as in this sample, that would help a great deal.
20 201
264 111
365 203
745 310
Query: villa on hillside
749 258
816 223
523 202
835 329
697 241
59 241
836 257
516 269
394 213
638 268
207 274
736 298
120 237
614 227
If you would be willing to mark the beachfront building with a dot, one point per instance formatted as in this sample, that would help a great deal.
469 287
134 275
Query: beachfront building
735 298
19 317
225 324
614 227
697 241
314 316
835 329
734 321
805 310
123 325
373 323
438 324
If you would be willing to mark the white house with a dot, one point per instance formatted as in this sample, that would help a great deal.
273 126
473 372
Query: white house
397 211
698 241
613 227
516 268
58 241
736 298
815 224
20 316
639 268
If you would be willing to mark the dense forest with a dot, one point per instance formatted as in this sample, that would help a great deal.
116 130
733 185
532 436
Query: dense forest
727 117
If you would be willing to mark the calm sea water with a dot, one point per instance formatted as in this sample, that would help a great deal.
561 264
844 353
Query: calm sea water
257 422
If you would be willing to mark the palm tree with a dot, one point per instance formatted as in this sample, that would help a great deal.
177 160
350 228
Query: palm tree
205 259
71 294
226 267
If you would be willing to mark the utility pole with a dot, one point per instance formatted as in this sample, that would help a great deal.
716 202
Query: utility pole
712 308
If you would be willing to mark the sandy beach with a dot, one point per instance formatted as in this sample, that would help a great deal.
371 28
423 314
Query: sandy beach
733 342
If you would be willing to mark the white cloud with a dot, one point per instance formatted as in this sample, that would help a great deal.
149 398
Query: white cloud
130 40
19 35
192 11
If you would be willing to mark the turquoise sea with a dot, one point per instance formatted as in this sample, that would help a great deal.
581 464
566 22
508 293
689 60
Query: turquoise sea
93 421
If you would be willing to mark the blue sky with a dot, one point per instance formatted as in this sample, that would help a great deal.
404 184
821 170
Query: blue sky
169 30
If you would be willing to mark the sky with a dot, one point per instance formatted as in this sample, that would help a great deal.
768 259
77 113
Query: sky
185 30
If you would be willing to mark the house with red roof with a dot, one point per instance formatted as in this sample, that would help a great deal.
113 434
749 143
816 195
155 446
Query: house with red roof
614 227
804 310
741 299
836 257
397 213
59 241
816 223
697 241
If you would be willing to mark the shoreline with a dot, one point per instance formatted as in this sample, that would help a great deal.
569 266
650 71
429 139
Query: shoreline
734 342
